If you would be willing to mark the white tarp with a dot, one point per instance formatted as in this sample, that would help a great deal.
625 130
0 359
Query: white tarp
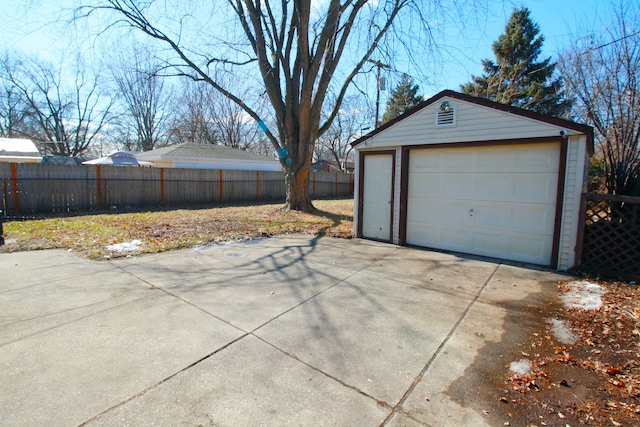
118 158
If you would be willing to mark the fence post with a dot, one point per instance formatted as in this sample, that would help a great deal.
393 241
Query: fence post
162 187
16 196
99 184
582 217
258 185
221 185
1 229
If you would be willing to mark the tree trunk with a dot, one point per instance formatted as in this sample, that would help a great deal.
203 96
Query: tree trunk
297 183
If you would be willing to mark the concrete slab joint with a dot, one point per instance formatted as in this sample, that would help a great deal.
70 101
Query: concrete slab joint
299 330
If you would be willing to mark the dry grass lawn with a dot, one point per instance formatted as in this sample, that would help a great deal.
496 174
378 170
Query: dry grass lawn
165 230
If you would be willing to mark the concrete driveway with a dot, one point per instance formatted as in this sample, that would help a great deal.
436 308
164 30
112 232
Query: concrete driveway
296 330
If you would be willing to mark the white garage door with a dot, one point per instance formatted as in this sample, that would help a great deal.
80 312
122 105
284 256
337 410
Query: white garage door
496 201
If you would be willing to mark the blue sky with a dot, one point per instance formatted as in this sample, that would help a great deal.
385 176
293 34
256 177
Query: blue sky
27 27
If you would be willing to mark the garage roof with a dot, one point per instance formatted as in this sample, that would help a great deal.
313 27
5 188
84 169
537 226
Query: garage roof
568 124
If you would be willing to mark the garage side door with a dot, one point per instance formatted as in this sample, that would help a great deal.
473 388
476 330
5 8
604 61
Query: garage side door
496 201
377 196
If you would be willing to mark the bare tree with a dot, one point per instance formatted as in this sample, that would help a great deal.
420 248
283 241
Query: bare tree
603 74
233 126
14 112
207 116
297 47
146 102
349 124
65 120
193 119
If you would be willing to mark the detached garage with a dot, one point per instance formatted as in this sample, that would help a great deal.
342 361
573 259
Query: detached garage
464 174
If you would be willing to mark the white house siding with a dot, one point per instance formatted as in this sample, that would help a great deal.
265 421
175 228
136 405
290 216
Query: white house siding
574 185
473 123
356 186
396 201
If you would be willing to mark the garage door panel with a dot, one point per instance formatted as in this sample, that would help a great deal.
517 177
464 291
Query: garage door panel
424 208
523 217
534 158
536 187
449 238
491 216
530 247
533 218
488 243
493 186
455 212
494 201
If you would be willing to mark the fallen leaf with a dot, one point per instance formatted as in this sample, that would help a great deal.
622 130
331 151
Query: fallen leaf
613 371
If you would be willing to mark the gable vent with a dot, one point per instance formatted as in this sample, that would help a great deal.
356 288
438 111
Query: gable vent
446 115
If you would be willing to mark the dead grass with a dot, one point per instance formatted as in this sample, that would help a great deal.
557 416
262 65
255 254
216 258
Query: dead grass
161 231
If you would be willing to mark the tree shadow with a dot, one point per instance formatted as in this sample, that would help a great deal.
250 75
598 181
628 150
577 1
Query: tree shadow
336 219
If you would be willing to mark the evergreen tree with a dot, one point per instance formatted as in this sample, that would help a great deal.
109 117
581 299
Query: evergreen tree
403 97
517 77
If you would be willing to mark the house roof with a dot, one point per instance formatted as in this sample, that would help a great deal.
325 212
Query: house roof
201 151
579 127
16 147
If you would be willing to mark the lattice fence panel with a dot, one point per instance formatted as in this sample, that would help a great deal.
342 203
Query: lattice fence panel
611 244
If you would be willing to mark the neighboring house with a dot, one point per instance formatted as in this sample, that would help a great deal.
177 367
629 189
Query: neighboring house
350 166
208 156
321 166
465 174
331 166
15 150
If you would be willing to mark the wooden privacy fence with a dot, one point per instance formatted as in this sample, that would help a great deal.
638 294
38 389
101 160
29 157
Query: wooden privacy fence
43 188
610 230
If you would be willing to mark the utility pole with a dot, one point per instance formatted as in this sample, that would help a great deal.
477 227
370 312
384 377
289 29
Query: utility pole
380 85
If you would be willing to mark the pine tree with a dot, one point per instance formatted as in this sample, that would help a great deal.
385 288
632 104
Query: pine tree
403 97
517 77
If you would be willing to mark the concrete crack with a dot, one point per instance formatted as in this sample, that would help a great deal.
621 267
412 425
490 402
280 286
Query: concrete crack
398 407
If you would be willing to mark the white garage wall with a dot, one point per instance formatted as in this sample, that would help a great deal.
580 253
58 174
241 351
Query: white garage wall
475 123
574 186
396 201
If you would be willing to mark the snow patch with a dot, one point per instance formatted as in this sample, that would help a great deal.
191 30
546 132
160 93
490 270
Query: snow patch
584 295
562 332
522 367
132 246
219 243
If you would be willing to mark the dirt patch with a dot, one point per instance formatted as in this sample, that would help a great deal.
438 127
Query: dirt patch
593 381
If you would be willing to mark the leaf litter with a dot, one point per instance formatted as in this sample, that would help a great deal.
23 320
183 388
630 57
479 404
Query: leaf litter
586 369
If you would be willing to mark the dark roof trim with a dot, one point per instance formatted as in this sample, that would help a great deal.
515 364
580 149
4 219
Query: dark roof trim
579 127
